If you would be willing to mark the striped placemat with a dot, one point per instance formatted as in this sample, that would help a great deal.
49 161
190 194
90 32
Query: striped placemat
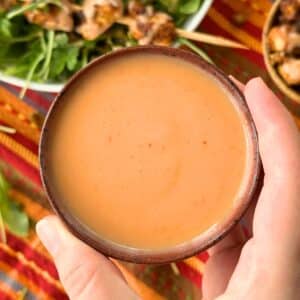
24 263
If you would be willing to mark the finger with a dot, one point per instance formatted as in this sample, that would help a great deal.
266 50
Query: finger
85 273
277 213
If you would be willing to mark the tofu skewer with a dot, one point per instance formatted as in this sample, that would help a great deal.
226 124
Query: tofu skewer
136 30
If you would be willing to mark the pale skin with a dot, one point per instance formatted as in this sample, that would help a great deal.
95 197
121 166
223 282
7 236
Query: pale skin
265 265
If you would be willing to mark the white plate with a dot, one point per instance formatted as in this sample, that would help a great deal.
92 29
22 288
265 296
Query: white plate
191 24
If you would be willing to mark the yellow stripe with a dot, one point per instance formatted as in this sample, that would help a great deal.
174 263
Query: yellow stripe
195 264
252 16
241 35
19 149
32 266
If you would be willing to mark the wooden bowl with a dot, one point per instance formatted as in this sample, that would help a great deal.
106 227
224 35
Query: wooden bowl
293 95
249 190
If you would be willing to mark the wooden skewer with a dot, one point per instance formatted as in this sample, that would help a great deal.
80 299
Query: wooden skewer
209 39
196 36
174 269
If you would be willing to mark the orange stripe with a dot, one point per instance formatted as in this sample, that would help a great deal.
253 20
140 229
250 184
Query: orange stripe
239 34
19 150
15 102
252 15
22 259
18 114
40 294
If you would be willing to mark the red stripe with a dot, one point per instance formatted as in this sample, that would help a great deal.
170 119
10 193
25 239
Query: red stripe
34 97
21 165
190 273
30 145
5 296
203 256
229 13
253 57
32 276
38 99
210 26
43 262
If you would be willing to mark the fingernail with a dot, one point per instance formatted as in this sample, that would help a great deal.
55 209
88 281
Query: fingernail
49 235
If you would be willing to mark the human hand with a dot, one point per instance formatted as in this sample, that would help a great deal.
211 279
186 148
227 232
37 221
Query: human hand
262 267
266 265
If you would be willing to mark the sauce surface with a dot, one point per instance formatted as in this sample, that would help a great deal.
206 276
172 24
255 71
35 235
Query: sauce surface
147 151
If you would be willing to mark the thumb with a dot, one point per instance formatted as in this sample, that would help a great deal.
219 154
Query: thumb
84 273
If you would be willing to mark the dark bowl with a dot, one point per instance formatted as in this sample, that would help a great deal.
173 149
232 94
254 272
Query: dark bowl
288 91
204 240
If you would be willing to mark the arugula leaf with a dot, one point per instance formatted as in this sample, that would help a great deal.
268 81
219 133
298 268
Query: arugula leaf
12 215
15 219
48 53
31 72
72 53
23 62
189 7
59 61
61 39
64 56
5 28
169 5
4 187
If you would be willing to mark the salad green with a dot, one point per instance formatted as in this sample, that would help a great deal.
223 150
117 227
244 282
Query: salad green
11 213
37 54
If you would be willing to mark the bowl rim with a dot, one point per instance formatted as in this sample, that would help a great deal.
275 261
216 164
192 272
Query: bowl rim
284 88
204 240
190 25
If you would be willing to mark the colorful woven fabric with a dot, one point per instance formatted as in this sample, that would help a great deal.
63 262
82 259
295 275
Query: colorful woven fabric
24 263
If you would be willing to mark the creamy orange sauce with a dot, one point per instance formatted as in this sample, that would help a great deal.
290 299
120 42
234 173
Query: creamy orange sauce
148 151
